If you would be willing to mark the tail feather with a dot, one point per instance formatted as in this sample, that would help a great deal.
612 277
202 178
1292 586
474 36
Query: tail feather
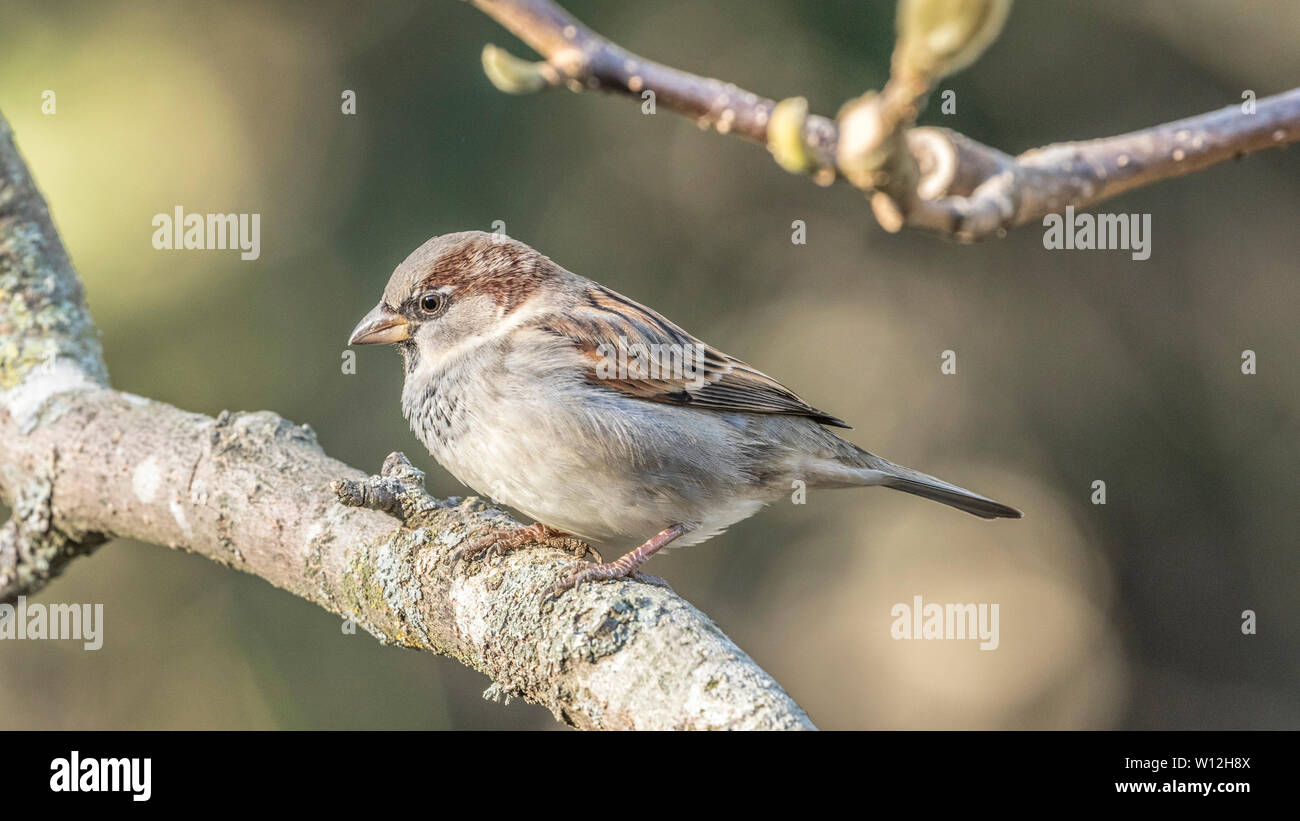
928 487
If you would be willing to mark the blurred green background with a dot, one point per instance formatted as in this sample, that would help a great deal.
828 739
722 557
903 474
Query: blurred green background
1072 366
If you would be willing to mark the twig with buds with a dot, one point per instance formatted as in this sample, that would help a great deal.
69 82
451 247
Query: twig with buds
929 178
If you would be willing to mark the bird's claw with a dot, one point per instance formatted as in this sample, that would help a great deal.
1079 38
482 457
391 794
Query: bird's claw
579 548
591 573
497 545
621 567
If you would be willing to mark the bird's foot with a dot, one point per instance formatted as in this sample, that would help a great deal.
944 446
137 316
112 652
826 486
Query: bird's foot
598 572
499 544
623 566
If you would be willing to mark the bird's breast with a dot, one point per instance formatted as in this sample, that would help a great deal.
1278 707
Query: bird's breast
596 464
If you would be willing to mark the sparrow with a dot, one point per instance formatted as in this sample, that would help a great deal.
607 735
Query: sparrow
597 417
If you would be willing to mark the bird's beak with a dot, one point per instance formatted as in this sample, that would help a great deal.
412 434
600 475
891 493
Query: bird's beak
382 326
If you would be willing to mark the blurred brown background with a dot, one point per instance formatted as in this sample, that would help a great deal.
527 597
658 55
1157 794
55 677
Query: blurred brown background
1072 366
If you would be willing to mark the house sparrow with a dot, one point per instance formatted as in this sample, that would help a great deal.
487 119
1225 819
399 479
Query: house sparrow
596 416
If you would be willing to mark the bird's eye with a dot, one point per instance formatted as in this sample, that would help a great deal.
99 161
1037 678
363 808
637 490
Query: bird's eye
431 303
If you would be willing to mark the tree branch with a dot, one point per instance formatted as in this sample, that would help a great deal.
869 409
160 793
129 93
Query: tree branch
81 463
929 178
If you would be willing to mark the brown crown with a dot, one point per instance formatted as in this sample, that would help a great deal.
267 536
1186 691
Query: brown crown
506 270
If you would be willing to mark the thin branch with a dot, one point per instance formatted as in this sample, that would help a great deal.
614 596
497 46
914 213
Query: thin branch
578 58
959 187
1022 190
81 463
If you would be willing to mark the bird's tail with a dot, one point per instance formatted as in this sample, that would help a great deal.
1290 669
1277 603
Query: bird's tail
887 474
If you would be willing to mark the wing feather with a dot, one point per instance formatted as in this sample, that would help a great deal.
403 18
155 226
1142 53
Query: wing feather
641 353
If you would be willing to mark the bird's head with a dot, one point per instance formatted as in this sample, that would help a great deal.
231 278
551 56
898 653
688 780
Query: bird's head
452 290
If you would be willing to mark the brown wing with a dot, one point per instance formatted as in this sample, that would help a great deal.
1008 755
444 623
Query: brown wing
635 350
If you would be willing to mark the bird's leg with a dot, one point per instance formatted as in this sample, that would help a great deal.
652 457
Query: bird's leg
498 544
625 565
